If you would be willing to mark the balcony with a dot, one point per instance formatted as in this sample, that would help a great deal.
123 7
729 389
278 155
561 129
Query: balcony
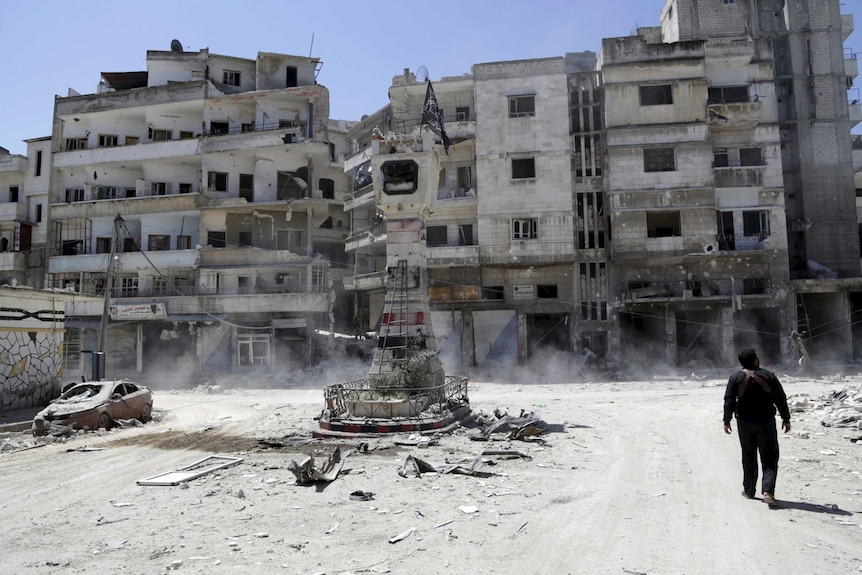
738 176
364 282
13 163
131 153
733 115
360 198
847 26
699 289
365 240
163 260
251 257
736 243
854 108
13 212
126 206
851 67
444 256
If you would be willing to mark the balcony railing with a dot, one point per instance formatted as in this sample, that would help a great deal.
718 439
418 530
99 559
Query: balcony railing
720 289
738 176
737 243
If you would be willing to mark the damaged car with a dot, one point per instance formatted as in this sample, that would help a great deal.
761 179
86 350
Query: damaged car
94 405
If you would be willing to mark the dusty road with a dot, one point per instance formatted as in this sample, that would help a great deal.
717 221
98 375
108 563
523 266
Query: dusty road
640 478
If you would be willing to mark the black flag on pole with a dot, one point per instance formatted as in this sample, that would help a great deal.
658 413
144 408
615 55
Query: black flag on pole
432 117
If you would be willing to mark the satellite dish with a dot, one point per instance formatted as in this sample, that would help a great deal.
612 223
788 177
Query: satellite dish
176 46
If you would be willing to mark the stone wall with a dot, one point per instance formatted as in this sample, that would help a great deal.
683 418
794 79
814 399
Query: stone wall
30 363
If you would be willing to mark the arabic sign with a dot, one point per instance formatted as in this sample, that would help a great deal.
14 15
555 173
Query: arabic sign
523 292
138 311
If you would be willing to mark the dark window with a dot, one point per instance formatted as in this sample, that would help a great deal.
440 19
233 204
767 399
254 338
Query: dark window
327 188
244 239
184 242
103 245
400 177
74 195
231 78
659 95
217 181
216 239
159 135
37 171
750 157
130 245
186 135
546 291
159 243
663 224
720 159
522 106
185 188
659 160
362 177
159 188
523 168
755 223
219 127
13 194
437 236
247 128
38 213
492 292
291 77
727 94
108 140
246 187
465 235
462 113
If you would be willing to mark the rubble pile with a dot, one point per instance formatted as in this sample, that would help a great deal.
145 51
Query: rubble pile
838 408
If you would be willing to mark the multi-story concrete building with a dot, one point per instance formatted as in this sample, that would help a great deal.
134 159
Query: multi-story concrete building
23 213
230 239
653 204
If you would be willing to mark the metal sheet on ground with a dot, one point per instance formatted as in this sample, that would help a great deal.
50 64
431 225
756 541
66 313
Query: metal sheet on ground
192 471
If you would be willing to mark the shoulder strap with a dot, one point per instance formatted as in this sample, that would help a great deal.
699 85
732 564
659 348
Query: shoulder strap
767 389
744 384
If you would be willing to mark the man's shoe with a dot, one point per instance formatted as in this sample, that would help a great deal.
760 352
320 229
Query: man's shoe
770 500
747 495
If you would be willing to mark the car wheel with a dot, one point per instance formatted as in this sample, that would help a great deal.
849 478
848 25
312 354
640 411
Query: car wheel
104 421
146 413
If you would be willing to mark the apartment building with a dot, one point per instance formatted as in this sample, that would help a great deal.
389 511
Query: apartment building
215 182
665 202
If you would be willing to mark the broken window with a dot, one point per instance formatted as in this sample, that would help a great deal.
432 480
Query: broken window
362 177
231 78
159 243
750 157
437 236
727 94
216 239
546 291
108 140
185 188
520 106
656 95
492 292
103 245
217 181
159 188
462 113
291 77
525 229
755 223
130 245
659 160
252 349
73 144
400 177
465 235
292 185
592 278
663 224
327 188
720 158
246 187
219 127
523 168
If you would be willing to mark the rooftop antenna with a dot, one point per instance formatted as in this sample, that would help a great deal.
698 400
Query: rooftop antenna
176 46
312 45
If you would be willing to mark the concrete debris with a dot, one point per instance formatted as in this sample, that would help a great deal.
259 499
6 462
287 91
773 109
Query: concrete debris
521 427
841 408
415 439
403 535
416 467
306 472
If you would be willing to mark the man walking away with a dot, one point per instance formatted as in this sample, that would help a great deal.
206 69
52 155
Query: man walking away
753 394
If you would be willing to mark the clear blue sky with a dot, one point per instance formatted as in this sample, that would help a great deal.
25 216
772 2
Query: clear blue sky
50 46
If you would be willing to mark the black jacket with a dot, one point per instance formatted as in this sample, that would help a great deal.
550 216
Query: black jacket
757 402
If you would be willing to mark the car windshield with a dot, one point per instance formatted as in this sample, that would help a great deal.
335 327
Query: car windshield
81 392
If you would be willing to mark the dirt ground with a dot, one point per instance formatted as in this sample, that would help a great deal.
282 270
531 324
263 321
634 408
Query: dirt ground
634 477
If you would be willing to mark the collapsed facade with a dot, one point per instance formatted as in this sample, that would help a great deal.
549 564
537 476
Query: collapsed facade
685 192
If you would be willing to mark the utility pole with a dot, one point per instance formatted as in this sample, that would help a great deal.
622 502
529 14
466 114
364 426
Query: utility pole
109 282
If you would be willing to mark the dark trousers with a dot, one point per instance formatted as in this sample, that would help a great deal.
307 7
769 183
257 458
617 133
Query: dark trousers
759 437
